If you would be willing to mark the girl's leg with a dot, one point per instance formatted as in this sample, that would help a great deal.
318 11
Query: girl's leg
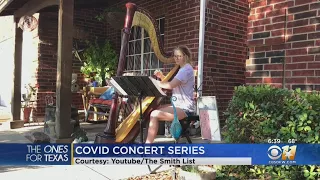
162 114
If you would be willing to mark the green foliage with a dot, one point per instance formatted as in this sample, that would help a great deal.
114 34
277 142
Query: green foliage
101 59
102 16
256 114
190 168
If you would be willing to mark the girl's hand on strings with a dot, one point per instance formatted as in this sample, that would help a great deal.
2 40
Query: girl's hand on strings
158 73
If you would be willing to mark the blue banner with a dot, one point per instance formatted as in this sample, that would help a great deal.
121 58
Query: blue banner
260 154
35 154
254 154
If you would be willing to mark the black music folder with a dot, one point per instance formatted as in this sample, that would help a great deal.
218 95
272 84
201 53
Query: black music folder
137 86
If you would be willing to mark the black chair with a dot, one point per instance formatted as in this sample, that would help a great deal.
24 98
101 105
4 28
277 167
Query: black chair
185 123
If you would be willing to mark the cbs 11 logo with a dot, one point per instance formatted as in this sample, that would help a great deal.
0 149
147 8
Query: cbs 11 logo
286 152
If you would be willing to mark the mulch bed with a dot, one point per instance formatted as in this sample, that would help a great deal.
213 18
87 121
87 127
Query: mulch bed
164 175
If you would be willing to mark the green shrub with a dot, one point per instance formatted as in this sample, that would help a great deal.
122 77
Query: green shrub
256 114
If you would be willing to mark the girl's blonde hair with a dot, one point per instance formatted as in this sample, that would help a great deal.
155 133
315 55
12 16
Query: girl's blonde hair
185 51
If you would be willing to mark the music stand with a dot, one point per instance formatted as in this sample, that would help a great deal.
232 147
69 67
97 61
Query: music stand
137 86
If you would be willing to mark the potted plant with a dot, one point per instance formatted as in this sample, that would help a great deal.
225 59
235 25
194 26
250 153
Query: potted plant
29 95
100 60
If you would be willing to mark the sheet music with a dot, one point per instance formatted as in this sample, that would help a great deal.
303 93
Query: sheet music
157 85
139 83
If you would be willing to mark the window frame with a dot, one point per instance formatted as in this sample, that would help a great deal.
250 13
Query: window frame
144 40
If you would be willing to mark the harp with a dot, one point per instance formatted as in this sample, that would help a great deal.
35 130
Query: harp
128 129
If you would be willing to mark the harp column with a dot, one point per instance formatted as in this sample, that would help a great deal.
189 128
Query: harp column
109 133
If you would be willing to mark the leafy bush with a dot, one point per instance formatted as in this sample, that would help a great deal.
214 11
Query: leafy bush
256 114
100 58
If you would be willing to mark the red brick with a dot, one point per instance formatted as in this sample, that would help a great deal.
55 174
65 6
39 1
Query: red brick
313 80
274 1
255 42
299 2
273 66
264 9
302 58
297 9
292 52
280 73
279 85
314 35
298 23
278 19
273 13
272 80
290 17
314 50
317 73
275 26
296 66
304 15
276 40
281 46
288 60
261 22
302 44
254 80
256 29
252 11
303 73
284 5
315 5
256 17
262 48
279 32
296 80
315 65
304 29
258 4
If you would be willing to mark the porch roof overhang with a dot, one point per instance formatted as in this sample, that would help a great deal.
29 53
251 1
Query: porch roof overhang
14 7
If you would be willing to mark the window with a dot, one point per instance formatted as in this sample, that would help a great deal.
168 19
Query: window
141 57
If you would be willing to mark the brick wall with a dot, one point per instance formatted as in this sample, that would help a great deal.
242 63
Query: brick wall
284 32
225 49
86 27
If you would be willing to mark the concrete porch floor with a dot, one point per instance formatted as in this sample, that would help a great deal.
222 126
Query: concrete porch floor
18 135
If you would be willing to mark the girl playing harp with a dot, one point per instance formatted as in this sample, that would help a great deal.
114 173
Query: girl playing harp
182 86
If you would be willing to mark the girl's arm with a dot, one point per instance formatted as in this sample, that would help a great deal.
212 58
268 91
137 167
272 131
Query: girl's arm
170 85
